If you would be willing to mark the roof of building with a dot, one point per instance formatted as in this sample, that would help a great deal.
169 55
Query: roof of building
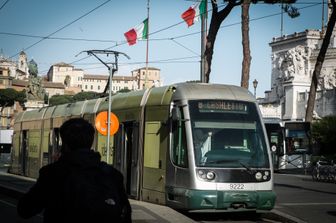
62 64
105 77
46 84
149 68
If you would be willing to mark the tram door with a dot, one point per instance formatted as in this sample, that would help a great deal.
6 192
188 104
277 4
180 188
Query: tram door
126 156
24 152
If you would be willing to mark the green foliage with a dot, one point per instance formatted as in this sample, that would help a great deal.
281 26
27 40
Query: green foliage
124 90
33 70
81 96
324 133
60 99
8 97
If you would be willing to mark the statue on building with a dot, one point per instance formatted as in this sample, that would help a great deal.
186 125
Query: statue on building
286 65
67 81
292 63
35 90
327 79
300 58
33 70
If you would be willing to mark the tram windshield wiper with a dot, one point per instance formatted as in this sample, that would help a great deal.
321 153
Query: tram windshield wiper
248 169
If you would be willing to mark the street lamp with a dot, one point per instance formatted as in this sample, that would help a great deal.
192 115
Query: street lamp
255 84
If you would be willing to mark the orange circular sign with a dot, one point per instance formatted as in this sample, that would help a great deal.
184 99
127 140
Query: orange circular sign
101 123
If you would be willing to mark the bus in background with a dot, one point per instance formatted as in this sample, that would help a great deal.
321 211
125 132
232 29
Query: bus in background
290 143
5 146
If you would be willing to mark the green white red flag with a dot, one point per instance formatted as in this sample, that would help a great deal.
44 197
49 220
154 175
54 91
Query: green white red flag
139 32
192 14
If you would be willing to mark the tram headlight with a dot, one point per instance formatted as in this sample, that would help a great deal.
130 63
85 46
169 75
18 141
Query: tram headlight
258 176
210 175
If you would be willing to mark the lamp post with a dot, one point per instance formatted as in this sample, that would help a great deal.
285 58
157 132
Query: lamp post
255 84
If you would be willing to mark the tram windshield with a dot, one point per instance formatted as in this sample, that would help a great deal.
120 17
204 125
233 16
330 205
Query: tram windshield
227 134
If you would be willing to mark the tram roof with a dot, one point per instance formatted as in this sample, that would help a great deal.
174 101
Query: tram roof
213 91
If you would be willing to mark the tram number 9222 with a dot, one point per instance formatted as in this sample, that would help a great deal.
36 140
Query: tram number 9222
236 186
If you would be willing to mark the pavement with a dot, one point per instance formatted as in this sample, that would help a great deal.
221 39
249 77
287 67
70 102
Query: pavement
143 212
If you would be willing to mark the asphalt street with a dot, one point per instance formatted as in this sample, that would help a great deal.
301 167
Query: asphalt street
308 200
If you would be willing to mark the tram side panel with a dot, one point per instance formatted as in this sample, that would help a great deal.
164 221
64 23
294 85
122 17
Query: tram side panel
155 152
15 158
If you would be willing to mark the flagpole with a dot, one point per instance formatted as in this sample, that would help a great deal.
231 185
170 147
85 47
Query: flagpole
203 41
147 46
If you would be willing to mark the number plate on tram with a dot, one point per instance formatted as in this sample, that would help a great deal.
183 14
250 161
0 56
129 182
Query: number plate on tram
235 186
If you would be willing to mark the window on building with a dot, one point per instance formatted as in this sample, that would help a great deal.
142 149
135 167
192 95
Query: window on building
98 87
302 96
91 87
86 87
1 72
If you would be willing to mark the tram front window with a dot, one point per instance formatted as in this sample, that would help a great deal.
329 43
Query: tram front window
227 134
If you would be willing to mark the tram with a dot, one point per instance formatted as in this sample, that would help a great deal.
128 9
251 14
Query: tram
190 146
290 144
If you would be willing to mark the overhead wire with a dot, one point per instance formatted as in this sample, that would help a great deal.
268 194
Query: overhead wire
63 27
3 5
173 39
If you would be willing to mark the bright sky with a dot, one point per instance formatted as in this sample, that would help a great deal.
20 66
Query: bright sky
173 48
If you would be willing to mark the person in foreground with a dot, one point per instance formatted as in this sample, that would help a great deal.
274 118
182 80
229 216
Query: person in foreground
78 187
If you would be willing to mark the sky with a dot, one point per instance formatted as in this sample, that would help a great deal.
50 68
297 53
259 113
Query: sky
74 26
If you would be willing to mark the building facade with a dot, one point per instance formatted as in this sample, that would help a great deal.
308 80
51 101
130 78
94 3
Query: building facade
75 80
293 62
147 77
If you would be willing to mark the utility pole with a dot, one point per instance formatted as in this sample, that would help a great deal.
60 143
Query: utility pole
112 67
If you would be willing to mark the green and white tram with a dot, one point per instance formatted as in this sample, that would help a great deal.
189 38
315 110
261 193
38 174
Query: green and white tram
191 146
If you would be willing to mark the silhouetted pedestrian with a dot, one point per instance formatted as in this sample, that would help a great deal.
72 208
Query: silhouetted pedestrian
78 187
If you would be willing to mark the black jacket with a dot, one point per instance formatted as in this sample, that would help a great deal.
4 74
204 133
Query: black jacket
47 193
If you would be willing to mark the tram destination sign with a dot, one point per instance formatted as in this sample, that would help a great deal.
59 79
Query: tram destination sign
222 106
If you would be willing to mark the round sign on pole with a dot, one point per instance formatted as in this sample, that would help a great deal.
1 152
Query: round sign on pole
101 123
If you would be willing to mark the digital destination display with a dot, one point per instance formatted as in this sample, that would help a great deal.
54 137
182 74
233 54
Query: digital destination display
222 106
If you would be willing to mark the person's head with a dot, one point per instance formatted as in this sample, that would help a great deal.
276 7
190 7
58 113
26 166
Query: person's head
76 133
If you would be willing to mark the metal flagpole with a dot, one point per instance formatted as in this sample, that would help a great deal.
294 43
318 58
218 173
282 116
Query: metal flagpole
203 41
147 45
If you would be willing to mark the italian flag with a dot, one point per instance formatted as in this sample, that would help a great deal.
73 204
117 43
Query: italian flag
140 32
193 12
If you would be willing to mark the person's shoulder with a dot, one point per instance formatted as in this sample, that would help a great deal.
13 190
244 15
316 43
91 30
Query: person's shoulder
52 168
107 168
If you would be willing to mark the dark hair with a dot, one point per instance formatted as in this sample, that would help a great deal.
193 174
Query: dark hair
77 133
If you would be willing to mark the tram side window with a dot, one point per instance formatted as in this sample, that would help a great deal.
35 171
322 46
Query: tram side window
179 147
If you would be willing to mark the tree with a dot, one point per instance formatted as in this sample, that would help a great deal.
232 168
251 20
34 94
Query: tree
217 18
60 99
319 63
81 96
9 96
245 75
323 132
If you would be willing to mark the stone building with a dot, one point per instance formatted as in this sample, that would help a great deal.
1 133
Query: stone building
97 83
147 76
75 80
293 62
